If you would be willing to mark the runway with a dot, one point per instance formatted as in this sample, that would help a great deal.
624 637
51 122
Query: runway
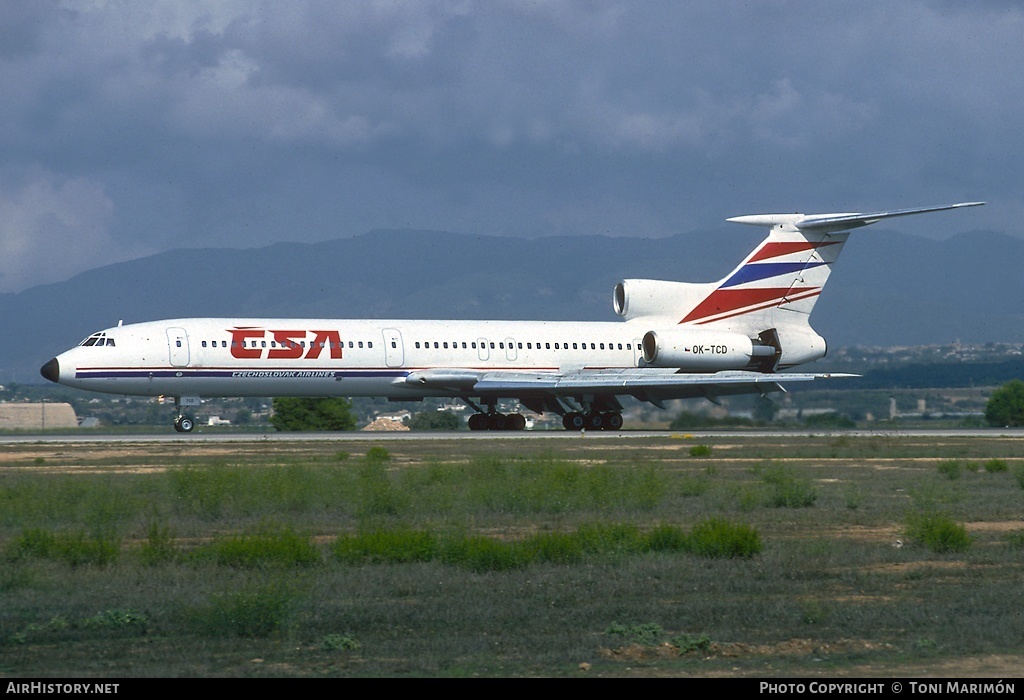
284 437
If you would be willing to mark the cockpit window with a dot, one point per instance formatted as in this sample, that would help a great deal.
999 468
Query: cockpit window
97 339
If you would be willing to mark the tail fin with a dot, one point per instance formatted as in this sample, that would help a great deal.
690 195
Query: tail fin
778 284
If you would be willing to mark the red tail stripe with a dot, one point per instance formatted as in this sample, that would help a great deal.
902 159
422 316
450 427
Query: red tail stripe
775 250
723 301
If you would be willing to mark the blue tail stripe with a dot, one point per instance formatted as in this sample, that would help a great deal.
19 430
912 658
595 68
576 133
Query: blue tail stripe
760 271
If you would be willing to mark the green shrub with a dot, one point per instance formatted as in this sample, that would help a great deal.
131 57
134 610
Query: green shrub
118 620
700 451
938 533
268 548
646 634
326 413
690 486
667 538
258 612
74 548
378 454
717 538
996 465
950 468
787 489
611 538
386 546
378 494
483 554
686 643
339 642
553 547
158 547
1006 405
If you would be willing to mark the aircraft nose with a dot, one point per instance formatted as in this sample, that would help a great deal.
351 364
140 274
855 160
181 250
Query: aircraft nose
51 370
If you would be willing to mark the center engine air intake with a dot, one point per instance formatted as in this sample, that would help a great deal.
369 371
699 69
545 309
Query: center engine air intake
701 350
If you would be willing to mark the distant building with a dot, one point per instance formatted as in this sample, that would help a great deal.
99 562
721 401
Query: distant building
37 416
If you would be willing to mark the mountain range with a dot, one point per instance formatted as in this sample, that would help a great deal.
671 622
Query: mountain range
887 289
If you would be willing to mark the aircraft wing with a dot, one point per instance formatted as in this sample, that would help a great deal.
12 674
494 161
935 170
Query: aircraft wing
643 383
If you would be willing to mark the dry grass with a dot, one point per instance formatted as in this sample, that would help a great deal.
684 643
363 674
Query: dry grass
838 590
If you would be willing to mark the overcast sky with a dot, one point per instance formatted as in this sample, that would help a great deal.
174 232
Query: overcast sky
132 127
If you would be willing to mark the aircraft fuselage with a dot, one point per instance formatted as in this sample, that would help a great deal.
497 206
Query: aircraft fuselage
331 357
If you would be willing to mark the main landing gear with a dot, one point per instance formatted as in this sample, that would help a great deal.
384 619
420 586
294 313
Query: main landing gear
594 420
497 421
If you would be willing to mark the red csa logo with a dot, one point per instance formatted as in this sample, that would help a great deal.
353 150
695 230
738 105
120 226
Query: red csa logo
288 344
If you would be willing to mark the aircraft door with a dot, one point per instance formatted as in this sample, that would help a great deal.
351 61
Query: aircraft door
638 355
177 346
483 351
394 351
510 350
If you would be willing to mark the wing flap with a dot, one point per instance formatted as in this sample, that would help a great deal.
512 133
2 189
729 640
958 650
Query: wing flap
629 381
647 383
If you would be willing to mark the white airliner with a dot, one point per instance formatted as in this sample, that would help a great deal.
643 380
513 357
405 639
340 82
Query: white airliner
678 340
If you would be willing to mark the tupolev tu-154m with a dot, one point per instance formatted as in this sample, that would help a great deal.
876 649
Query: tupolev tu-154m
675 340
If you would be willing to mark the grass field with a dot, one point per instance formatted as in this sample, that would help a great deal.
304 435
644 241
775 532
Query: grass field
735 556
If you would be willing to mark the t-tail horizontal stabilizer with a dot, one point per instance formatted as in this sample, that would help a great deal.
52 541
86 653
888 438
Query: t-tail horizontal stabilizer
824 223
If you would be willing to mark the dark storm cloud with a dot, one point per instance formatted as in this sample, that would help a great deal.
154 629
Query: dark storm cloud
135 127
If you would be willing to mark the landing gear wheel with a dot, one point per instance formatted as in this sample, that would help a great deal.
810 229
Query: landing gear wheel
613 421
517 421
595 421
184 424
497 421
573 421
477 421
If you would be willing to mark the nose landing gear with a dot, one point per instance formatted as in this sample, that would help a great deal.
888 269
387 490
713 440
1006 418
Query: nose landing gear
184 423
